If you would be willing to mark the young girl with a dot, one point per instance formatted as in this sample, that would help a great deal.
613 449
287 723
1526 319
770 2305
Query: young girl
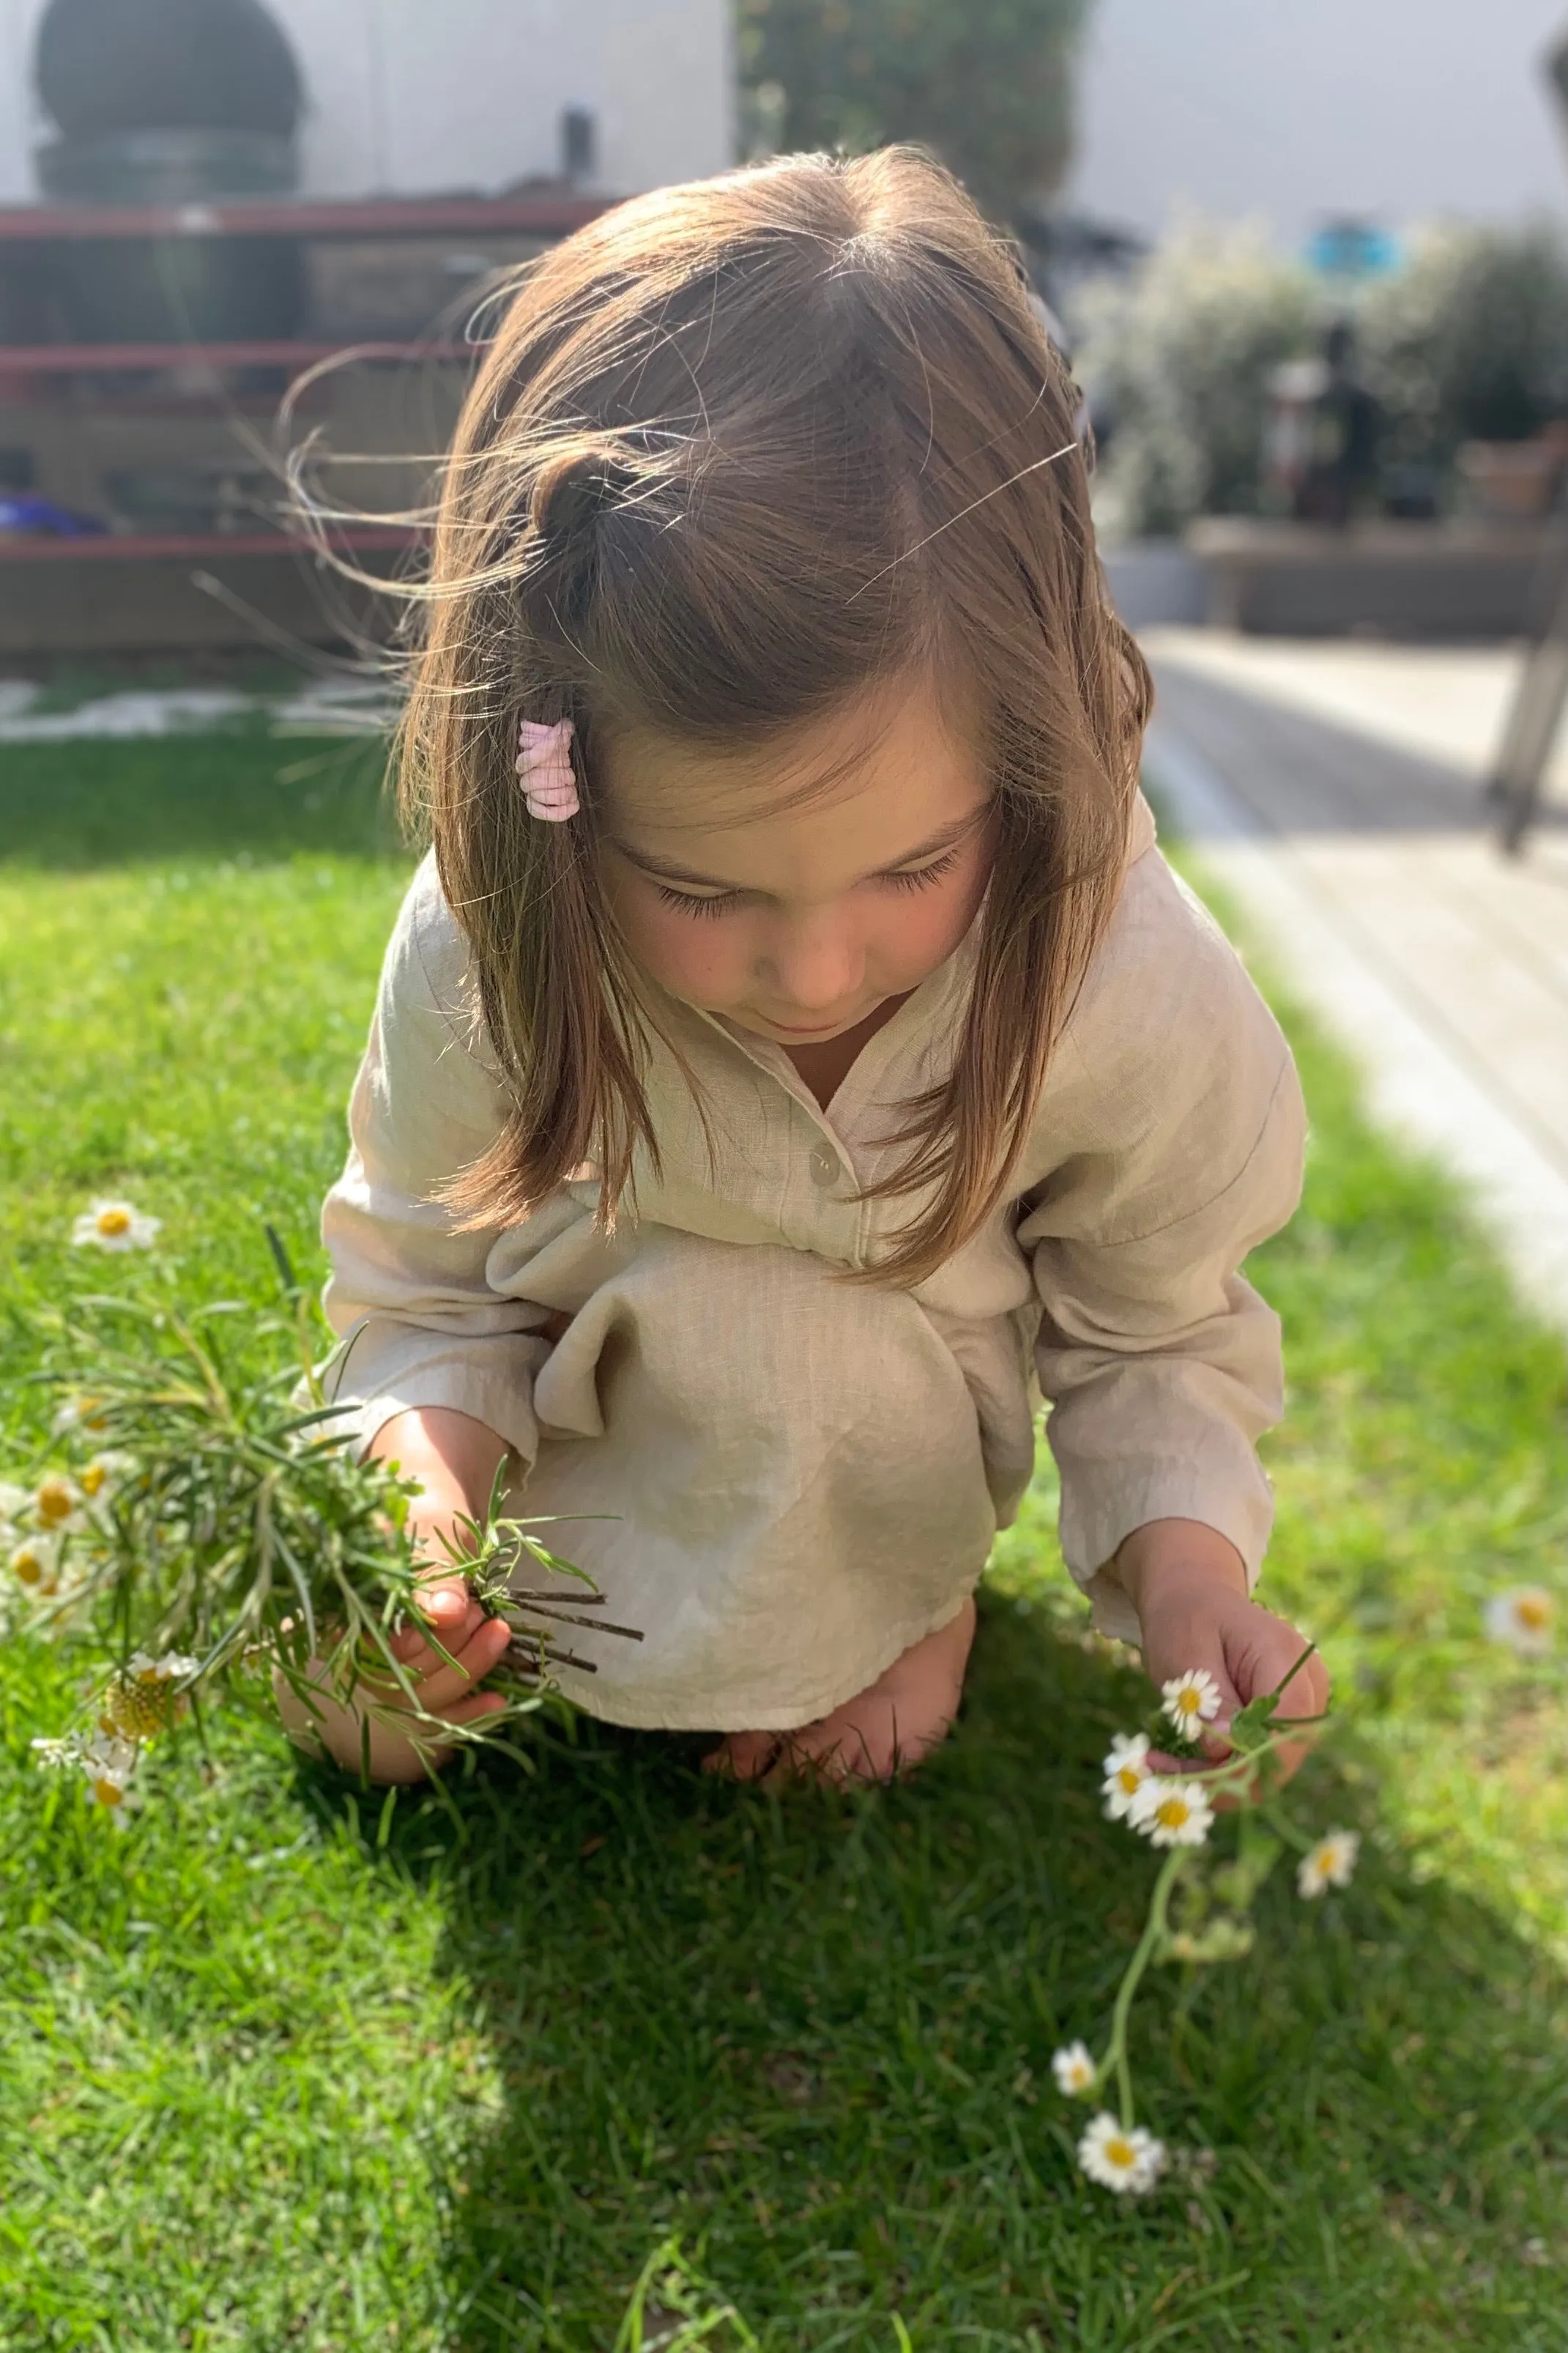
793 1047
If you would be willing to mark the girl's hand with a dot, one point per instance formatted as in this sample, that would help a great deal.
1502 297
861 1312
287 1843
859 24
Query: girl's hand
1189 1587
476 1643
454 1458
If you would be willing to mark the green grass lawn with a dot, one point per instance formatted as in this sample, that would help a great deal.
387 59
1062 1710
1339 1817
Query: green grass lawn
281 2071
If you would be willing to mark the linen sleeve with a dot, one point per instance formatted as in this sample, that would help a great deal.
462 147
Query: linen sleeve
420 1324
1161 1364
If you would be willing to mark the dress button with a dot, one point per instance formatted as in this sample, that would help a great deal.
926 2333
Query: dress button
824 1167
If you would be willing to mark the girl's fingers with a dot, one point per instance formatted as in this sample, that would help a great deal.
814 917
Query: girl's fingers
474 1662
454 1615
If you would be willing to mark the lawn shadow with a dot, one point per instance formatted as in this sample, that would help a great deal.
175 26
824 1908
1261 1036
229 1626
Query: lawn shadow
811 2036
236 792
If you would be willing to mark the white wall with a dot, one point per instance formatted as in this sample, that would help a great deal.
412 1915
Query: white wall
1293 110
409 98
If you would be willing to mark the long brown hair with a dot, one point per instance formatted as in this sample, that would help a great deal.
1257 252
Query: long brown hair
738 450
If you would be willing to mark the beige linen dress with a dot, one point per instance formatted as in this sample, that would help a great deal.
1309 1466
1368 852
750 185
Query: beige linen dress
802 1476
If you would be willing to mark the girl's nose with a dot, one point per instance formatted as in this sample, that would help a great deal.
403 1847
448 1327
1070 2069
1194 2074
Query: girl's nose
815 964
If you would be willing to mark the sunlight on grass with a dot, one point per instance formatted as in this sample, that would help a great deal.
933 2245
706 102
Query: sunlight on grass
285 2067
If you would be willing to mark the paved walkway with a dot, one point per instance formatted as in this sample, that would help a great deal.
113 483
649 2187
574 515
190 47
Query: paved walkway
1333 791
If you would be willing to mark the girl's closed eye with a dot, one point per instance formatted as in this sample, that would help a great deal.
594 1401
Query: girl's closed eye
720 902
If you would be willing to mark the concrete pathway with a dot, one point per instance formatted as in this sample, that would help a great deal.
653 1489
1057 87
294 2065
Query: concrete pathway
1332 790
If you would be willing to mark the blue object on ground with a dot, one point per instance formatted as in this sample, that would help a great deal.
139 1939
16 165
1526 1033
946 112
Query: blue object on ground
23 511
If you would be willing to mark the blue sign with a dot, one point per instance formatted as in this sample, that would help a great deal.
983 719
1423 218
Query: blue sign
1353 248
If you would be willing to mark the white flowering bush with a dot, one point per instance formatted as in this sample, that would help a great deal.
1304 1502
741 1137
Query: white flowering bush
1200 1906
190 1525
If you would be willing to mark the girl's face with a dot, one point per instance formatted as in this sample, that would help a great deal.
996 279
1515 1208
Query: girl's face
798 923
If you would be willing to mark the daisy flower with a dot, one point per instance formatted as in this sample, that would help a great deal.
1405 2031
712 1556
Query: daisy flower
115 1226
1173 1809
1126 1769
1123 2158
78 1413
13 1502
1330 1863
139 1701
56 1504
34 1562
1523 1618
1190 1701
99 1478
1074 2070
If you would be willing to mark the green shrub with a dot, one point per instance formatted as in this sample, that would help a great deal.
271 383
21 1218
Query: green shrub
1466 340
1178 360
1470 340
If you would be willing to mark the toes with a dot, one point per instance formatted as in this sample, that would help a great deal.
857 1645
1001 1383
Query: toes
743 1756
829 1751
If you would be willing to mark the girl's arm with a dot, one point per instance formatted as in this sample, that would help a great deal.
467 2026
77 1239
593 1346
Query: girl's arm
422 1328
1177 1132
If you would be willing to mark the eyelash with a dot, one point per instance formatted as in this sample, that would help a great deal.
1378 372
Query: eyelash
722 901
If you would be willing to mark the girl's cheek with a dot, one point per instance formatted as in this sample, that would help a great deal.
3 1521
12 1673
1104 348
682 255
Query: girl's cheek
692 959
920 934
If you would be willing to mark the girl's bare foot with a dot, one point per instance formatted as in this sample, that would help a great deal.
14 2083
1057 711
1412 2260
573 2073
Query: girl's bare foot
883 1731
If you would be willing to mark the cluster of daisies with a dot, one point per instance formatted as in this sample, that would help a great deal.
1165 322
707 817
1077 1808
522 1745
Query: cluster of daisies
142 1698
48 1538
46 1542
1175 1811
37 1524
47 1530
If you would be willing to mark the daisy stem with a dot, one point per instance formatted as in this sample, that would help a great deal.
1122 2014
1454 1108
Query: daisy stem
1153 1929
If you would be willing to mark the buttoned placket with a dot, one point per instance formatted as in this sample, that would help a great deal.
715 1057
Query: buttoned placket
823 1207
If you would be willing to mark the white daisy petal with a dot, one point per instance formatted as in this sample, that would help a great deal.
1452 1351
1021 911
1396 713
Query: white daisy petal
1330 1863
1523 1618
1173 1809
34 1562
1126 1769
1074 2070
1190 1701
115 1226
1123 2158
98 1478
55 1504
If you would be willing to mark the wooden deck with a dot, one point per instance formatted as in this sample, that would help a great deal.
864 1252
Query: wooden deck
1369 879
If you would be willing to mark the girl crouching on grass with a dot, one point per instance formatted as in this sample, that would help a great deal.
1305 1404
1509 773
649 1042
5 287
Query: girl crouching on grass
794 1046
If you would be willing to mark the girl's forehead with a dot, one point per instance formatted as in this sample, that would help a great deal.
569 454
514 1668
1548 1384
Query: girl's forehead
885 769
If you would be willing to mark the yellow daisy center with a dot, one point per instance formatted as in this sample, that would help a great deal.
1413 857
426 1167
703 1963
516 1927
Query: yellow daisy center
92 1478
53 1502
1120 2152
1533 1611
113 1221
1172 1812
1189 1701
1129 1775
27 1566
108 1793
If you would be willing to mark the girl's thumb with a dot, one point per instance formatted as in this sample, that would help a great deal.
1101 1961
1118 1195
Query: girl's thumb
445 1602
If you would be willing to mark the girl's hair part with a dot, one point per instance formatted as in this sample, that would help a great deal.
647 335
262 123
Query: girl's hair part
738 451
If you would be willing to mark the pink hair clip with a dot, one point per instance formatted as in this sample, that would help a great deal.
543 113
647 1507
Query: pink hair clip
544 765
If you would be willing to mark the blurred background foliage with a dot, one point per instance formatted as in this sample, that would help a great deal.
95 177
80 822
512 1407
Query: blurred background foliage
1466 340
1177 360
986 83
